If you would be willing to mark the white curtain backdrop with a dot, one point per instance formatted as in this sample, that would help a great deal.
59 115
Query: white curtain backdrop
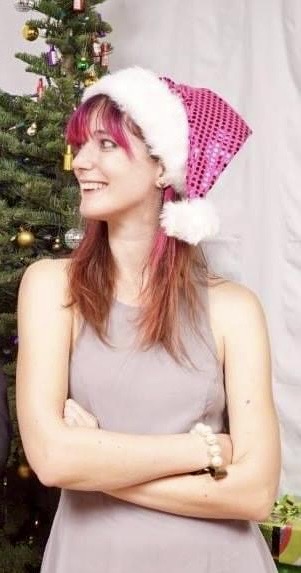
248 51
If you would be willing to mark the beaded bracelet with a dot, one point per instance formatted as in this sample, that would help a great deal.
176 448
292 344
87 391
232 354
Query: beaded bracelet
214 450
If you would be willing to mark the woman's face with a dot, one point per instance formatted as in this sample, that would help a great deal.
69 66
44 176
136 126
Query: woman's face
112 183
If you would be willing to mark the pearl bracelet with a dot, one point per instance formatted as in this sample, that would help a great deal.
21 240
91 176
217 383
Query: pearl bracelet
215 467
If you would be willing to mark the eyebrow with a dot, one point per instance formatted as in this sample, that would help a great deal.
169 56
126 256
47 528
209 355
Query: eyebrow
100 132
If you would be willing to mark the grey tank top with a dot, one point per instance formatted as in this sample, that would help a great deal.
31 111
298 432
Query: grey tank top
135 391
147 392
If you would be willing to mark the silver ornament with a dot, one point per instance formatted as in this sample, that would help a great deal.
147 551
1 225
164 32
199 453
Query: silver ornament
73 238
24 5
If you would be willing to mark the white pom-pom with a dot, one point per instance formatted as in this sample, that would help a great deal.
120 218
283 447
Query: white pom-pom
190 220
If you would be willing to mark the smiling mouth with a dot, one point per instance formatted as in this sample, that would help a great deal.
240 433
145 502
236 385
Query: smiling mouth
93 187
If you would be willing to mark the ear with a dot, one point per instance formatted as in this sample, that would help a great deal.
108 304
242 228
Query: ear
160 175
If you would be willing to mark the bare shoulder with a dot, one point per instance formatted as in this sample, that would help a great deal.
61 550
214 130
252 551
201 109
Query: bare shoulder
51 275
234 309
232 304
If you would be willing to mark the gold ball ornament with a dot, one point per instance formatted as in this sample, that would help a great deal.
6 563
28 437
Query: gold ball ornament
25 239
24 471
30 33
89 81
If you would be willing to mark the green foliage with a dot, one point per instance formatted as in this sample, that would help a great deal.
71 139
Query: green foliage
37 195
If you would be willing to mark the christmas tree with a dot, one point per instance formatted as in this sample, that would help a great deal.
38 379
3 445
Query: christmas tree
38 219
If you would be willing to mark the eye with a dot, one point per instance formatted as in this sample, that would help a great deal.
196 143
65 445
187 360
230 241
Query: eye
107 143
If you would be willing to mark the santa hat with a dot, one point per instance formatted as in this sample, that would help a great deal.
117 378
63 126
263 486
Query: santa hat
192 130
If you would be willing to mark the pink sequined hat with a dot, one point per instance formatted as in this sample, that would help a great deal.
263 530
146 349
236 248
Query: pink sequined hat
192 130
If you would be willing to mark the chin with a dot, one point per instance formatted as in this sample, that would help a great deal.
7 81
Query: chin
93 214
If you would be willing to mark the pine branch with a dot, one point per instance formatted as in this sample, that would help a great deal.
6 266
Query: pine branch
37 218
37 65
9 143
7 277
36 193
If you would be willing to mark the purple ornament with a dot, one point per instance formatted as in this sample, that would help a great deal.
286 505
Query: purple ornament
102 34
52 57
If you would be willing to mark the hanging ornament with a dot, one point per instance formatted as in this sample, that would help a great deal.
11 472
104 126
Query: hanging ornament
89 80
40 88
57 244
96 49
30 33
106 49
24 471
82 64
24 5
68 159
90 76
32 130
73 238
79 5
25 239
51 56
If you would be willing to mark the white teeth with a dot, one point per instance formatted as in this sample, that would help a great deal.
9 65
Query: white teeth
95 187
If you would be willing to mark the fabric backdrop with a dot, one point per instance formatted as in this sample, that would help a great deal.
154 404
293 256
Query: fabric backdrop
250 53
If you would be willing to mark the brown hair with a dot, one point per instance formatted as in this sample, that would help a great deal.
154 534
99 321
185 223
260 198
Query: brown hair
175 268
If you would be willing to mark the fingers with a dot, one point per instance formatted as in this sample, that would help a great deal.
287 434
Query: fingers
75 415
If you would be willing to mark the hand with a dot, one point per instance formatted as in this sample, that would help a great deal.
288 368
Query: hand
226 446
75 415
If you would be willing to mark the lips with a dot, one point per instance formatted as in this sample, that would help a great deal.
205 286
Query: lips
93 186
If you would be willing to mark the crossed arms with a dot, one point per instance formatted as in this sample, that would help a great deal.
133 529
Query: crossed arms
152 471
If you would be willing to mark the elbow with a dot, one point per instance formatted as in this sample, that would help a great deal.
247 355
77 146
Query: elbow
258 491
51 472
263 510
262 504
47 475
44 469
45 463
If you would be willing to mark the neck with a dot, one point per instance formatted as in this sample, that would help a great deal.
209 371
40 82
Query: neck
131 238
131 251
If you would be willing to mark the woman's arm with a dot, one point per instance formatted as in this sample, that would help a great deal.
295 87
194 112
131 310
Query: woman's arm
251 486
233 497
77 458
192 496
249 490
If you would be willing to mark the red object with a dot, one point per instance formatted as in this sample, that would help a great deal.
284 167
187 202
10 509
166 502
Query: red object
285 536
79 5
105 51
40 88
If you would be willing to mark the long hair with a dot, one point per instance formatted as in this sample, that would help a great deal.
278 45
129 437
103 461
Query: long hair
175 269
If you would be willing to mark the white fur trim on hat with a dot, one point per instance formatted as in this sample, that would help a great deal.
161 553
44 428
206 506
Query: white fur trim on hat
190 220
157 111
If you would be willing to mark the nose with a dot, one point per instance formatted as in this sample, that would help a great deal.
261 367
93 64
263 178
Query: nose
83 158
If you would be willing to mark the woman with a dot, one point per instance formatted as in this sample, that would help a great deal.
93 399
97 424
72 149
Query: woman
132 358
